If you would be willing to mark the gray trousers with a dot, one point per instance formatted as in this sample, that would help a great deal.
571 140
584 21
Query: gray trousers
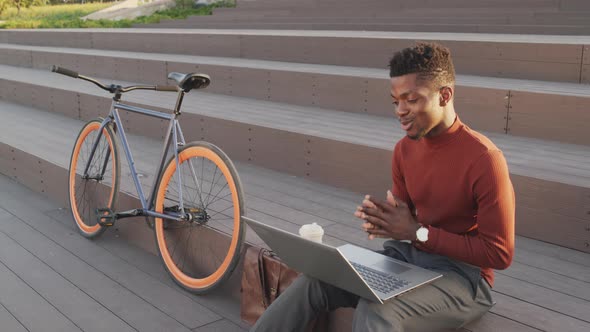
452 301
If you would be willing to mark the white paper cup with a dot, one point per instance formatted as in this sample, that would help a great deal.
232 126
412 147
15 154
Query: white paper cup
312 232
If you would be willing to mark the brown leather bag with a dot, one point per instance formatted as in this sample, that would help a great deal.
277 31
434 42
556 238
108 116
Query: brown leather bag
264 278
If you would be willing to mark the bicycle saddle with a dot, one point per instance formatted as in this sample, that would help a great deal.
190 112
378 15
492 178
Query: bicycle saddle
187 82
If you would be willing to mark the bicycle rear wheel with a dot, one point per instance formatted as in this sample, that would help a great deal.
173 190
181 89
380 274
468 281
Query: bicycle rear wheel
202 252
99 188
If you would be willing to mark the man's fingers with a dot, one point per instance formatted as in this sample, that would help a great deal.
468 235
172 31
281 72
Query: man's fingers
367 225
398 202
367 203
372 212
391 199
377 231
374 234
378 222
358 213
373 237
367 217
381 205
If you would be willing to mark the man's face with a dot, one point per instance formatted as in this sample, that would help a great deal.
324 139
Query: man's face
417 106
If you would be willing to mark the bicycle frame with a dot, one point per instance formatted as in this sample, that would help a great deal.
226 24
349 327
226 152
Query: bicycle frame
174 137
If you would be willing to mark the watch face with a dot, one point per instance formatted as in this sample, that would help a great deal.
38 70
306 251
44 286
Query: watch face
422 234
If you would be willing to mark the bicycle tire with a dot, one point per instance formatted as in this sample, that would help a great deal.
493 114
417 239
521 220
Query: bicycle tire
200 270
86 195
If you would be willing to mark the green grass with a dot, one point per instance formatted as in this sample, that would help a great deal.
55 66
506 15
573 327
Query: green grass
58 12
68 16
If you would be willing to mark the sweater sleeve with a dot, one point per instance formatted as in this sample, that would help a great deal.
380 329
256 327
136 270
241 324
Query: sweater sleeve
399 189
491 245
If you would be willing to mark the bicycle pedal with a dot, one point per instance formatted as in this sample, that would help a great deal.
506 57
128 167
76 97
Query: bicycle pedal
105 217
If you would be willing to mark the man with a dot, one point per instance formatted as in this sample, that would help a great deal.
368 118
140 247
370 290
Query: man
452 200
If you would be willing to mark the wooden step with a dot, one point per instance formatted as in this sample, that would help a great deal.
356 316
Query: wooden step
488 104
316 144
518 28
546 58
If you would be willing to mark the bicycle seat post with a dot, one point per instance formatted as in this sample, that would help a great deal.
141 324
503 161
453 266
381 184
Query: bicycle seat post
179 102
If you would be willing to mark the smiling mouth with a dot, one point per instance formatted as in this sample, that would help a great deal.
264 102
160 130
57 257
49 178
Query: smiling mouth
406 125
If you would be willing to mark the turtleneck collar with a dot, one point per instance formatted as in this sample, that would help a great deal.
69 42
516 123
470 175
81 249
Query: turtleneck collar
444 137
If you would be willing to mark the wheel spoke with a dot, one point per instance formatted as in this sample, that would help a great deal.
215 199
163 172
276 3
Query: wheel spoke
220 212
211 187
196 181
222 198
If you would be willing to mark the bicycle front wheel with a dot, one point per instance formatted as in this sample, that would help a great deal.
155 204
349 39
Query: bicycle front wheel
202 251
97 189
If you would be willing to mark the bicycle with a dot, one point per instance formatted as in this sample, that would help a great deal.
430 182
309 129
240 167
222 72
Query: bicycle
187 200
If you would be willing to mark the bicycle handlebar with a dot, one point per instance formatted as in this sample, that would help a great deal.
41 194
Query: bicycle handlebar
113 88
64 71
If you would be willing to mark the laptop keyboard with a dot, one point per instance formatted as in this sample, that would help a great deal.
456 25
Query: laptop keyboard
378 280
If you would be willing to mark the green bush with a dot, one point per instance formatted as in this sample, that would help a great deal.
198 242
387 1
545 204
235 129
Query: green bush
184 4
52 12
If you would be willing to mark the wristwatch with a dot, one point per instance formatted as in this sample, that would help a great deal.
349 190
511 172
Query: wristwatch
422 234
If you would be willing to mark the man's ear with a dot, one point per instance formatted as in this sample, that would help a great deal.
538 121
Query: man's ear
446 94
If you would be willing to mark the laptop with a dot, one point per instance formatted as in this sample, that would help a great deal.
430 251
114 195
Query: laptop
358 270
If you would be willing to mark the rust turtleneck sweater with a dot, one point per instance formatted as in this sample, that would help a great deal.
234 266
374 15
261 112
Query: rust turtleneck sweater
459 184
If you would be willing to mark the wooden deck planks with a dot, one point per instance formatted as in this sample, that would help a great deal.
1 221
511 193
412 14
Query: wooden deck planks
556 265
28 307
492 322
539 295
141 262
534 315
72 302
550 250
220 326
547 279
110 285
9 321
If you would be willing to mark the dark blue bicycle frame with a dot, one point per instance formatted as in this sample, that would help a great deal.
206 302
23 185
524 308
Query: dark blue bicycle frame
174 136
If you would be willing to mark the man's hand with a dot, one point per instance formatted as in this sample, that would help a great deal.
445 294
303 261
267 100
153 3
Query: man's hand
391 218
367 203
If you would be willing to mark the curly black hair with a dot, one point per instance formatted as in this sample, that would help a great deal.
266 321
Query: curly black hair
431 61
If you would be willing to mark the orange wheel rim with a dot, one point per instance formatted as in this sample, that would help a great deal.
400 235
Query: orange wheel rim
73 165
169 172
